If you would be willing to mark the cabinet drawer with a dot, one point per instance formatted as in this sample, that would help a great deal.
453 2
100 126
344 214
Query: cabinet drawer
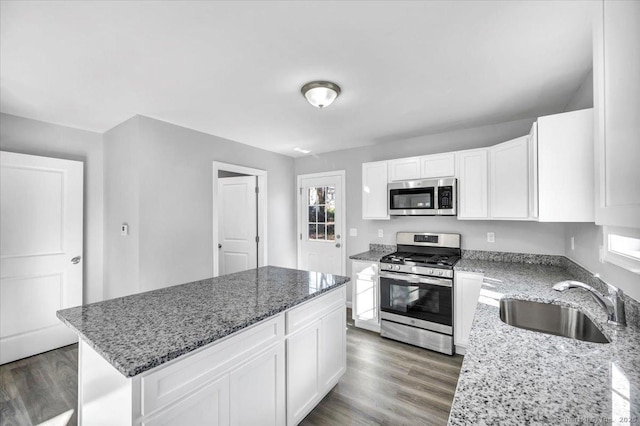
176 380
312 310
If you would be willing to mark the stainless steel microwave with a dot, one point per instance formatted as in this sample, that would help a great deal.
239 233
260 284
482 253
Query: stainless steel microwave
433 197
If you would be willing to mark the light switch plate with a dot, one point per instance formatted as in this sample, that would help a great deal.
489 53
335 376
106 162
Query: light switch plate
124 229
353 232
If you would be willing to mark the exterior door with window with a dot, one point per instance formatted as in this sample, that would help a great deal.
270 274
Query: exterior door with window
321 221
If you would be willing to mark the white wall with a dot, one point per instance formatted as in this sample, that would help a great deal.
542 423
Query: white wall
121 205
25 136
173 167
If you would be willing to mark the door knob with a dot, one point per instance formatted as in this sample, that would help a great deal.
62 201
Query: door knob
337 236
338 245
219 246
76 260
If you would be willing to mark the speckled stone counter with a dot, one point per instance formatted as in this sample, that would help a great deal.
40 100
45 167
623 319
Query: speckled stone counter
142 331
375 253
512 376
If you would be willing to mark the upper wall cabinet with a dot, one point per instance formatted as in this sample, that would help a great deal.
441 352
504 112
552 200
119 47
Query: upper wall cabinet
404 169
617 114
565 167
374 190
425 167
473 184
509 180
437 166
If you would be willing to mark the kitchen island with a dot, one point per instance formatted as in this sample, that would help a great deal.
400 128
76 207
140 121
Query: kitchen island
212 351
513 376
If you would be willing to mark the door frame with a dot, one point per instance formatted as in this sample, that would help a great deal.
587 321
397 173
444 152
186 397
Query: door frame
262 210
343 215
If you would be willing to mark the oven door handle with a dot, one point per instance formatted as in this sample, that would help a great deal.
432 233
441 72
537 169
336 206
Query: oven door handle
417 279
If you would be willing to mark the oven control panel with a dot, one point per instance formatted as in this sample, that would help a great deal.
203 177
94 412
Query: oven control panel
418 270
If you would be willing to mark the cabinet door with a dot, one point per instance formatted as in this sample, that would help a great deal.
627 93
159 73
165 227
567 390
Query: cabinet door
565 167
209 405
404 169
333 354
617 106
365 295
466 290
473 195
436 166
533 171
303 364
509 180
374 190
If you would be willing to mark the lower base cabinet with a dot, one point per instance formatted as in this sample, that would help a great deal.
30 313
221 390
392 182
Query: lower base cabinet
466 292
316 360
273 373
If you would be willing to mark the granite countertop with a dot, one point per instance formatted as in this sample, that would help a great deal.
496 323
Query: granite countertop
142 331
375 253
512 376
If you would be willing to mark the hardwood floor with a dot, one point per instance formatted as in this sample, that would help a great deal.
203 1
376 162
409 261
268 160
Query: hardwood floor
386 383
40 388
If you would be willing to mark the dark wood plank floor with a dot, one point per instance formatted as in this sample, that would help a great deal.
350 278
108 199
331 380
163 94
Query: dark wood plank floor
386 383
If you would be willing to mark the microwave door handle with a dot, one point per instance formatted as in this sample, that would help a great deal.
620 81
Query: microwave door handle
416 279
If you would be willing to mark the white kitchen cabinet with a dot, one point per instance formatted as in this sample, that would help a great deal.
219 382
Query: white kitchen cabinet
565 167
366 294
303 351
466 292
509 180
257 390
316 357
473 184
374 190
404 169
437 166
617 114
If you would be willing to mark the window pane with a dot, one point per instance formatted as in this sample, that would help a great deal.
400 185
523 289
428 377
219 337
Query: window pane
331 210
330 194
320 195
313 196
331 233
312 231
321 214
313 211
321 232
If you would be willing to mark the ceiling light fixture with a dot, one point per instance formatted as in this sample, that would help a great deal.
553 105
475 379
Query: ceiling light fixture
304 151
320 93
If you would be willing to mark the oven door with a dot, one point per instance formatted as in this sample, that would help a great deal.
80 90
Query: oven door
417 300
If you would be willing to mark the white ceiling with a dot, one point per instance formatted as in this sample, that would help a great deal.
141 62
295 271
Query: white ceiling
234 69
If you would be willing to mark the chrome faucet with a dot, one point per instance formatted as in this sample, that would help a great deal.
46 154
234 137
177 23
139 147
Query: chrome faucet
611 303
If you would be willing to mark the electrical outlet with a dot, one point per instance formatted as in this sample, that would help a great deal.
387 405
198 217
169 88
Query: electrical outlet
491 237
380 233
124 229
353 232
573 243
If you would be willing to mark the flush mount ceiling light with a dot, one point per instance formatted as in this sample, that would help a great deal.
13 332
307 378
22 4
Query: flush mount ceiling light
320 93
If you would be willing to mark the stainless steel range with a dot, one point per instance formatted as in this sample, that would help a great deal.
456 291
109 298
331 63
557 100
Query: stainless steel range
416 290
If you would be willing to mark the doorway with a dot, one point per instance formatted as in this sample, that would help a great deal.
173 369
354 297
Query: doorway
239 218
321 222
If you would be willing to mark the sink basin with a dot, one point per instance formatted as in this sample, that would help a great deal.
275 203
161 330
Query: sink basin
551 319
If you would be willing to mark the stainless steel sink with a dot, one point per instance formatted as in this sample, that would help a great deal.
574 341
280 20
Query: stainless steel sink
551 319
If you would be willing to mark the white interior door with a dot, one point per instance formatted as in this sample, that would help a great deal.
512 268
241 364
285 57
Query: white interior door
321 221
40 252
237 228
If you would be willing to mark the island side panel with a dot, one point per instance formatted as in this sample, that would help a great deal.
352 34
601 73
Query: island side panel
105 396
